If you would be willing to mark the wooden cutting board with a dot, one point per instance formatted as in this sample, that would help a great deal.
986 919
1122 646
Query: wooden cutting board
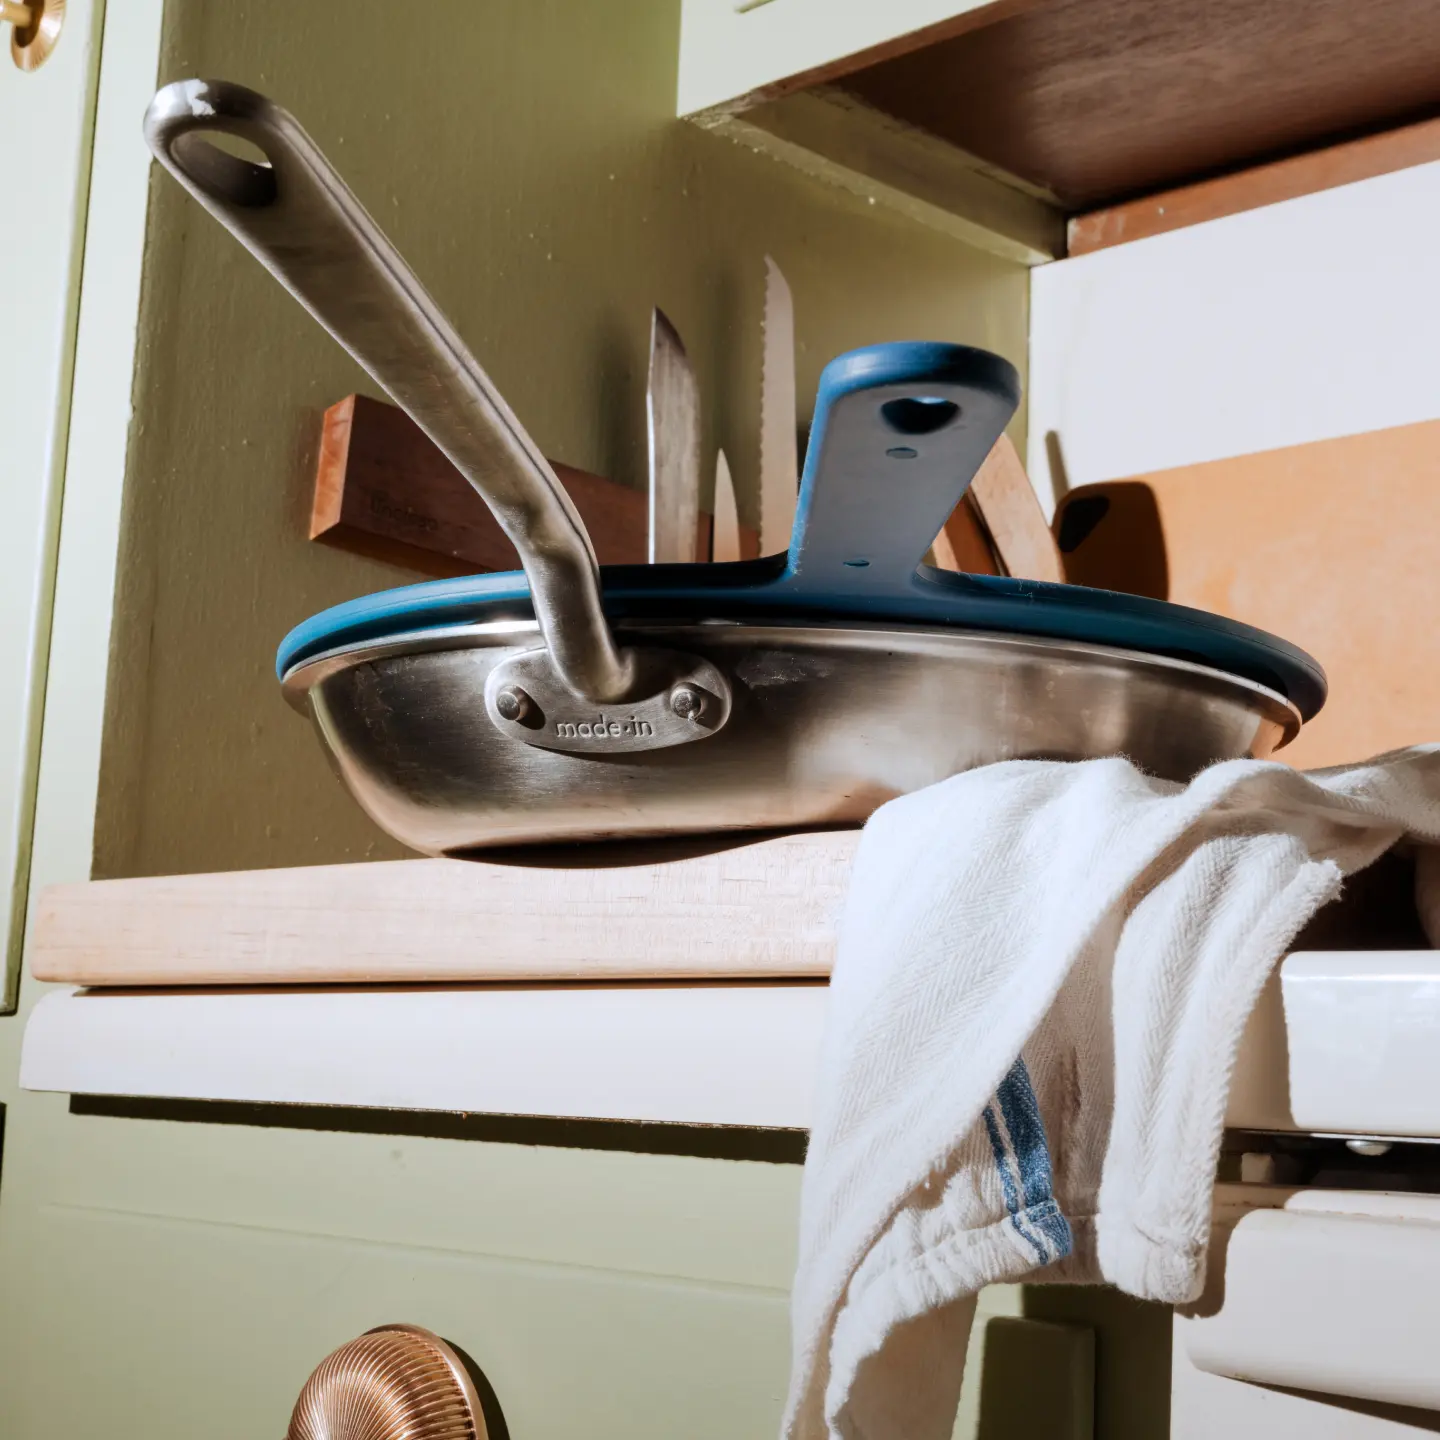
687 908
1334 545
692 908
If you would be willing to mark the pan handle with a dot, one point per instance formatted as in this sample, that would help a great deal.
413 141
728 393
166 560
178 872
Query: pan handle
300 220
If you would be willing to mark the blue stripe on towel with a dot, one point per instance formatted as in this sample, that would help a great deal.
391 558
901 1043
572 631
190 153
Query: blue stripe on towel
1007 1183
1022 1147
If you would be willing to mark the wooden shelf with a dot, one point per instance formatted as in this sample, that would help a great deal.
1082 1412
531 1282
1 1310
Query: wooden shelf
1096 101
996 122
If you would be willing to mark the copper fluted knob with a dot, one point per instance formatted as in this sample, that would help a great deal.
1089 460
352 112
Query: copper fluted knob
37 25
397 1382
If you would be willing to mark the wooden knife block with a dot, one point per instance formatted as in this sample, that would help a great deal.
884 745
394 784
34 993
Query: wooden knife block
383 489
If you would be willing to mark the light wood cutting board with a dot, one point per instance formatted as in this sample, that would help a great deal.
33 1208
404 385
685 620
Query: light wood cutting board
1334 545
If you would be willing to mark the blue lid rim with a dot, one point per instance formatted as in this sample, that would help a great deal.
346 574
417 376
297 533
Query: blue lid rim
934 598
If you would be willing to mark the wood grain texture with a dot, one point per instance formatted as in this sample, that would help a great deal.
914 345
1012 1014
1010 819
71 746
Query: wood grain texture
998 527
1011 514
666 911
1330 544
964 544
1262 185
1100 100
660 911
384 490
705 539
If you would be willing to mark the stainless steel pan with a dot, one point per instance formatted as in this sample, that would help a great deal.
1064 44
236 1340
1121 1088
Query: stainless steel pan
795 690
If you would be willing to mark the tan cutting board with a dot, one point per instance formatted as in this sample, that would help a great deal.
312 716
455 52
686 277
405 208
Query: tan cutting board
1334 545
690 908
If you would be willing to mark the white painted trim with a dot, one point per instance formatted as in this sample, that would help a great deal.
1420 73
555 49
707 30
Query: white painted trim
45 195
105 352
1327 1301
714 1054
731 48
701 1055
1305 1295
836 138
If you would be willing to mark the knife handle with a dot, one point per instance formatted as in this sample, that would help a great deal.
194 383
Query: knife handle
899 432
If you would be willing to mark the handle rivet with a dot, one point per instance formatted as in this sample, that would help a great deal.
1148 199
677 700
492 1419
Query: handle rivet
513 704
687 702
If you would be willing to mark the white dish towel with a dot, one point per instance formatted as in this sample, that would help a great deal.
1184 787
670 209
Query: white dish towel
1110 930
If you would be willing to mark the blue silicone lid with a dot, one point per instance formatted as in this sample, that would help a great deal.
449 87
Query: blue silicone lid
898 434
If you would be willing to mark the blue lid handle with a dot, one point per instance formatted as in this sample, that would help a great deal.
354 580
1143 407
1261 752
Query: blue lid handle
899 432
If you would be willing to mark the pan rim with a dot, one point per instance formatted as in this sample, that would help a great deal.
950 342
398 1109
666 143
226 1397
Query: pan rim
743 591
301 677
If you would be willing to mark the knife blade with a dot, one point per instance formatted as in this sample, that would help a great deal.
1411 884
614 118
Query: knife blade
672 406
779 462
725 533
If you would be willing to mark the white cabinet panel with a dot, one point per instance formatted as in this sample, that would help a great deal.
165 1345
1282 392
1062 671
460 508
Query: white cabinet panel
1301 321
46 116
1318 1322
1215 1407
1330 1301
1344 1042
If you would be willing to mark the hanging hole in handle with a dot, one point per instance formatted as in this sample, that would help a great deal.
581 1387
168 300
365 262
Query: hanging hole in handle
227 166
919 414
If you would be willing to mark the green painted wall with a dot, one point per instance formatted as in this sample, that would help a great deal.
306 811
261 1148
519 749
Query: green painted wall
160 1279
525 158
181 1280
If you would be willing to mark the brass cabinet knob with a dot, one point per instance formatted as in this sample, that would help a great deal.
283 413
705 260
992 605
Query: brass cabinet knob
397 1382
36 29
